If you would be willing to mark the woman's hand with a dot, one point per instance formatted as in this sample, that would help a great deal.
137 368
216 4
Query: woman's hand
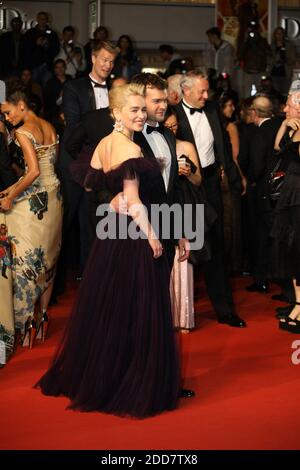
119 204
3 193
184 170
6 202
293 123
244 186
156 247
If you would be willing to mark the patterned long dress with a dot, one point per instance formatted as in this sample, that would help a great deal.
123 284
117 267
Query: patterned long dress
30 239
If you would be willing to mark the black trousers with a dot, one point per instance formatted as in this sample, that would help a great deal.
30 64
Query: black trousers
260 222
215 272
74 200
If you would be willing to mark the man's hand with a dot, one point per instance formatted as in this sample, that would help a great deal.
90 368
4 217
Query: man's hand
184 249
119 204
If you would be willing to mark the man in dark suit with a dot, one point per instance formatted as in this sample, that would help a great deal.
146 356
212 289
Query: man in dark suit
41 45
80 96
12 49
199 123
156 142
7 175
81 144
255 164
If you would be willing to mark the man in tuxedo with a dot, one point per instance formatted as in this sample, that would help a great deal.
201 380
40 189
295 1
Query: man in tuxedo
7 175
256 164
199 123
80 96
157 141
12 49
81 144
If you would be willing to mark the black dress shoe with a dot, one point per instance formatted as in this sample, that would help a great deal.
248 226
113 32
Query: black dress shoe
232 320
283 312
186 393
255 287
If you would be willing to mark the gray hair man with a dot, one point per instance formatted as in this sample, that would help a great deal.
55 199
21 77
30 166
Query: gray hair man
200 124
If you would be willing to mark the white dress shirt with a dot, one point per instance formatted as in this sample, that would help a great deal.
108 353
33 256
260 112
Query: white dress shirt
161 151
203 136
101 95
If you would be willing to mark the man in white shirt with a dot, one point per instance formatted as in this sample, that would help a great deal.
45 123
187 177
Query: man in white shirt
220 53
158 143
199 123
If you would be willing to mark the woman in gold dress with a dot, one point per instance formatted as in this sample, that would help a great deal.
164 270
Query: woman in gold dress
31 215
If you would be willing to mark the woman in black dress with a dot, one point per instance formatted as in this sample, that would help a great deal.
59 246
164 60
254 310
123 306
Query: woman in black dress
118 353
286 227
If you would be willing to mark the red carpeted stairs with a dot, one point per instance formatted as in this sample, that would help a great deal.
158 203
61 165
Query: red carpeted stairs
247 390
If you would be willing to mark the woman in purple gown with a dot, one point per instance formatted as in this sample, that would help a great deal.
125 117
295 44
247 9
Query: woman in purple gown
118 353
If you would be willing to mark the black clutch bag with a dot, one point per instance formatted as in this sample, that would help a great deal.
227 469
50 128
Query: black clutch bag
276 181
194 195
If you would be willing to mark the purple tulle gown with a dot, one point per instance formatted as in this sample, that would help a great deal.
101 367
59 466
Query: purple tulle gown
118 353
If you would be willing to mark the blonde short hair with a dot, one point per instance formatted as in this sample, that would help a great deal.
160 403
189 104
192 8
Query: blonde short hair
118 96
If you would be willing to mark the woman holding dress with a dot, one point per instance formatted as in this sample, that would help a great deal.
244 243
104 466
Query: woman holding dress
118 354
33 213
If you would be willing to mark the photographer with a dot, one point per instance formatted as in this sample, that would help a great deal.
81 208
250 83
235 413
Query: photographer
284 54
41 45
255 56
71 53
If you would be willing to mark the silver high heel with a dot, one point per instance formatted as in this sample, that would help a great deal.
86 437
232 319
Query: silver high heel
30 333
43 326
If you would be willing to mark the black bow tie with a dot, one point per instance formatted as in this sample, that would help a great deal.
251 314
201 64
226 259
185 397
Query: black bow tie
193 110
159 129
98 85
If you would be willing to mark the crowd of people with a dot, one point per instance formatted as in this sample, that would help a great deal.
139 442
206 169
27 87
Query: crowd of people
83 127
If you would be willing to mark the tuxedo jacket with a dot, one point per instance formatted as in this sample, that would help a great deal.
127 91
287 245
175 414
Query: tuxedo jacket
159 193
222 153
261 150
78 98
256 149
93 127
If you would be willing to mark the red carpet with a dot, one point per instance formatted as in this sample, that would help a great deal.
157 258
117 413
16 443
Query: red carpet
247 391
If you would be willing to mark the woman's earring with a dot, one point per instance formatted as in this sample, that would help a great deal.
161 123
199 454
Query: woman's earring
119 126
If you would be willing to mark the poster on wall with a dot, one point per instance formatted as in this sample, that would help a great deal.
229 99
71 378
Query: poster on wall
59 13
234 16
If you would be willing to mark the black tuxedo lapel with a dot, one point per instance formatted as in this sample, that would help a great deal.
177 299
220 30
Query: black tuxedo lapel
215 125
174 166
143 143
91 94
185 131
147 151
